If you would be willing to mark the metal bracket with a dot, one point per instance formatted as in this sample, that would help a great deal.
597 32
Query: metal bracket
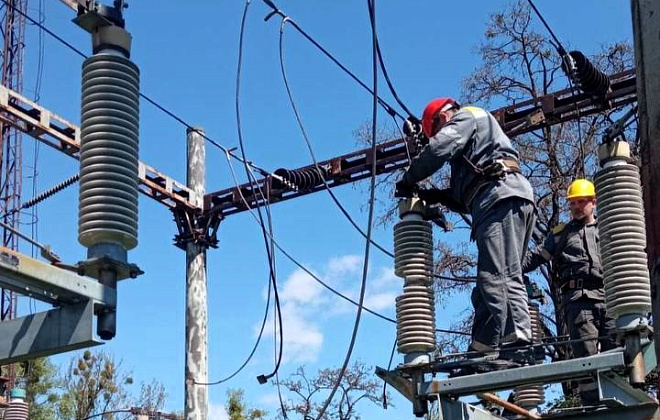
43 334
47 283
506 379
615 391
404 386
196 227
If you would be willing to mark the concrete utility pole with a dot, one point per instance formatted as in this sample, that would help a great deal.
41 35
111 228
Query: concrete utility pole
646 31
196 303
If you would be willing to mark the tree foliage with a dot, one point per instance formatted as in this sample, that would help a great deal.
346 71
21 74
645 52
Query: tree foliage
237 408
306 394
518 64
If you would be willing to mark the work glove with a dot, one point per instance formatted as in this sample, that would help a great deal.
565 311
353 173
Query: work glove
405 189
444 197
412 127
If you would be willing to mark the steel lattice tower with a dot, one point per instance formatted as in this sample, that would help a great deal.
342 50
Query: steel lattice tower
13 27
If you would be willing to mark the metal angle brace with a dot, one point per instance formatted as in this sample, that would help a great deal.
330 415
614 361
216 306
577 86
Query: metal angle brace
58 133
507 379
48 283
55 331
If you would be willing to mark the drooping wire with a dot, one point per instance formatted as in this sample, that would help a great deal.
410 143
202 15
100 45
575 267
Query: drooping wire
253 181
387 78
169 113
389 366
254 348
371 5
387 107
565 57
307 270
303 130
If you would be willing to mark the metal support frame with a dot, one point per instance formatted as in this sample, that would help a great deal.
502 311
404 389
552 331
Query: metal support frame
392 155
615 391
68 327
506 379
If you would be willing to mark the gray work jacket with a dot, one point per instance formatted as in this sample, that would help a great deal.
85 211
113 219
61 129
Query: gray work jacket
471 137
575 250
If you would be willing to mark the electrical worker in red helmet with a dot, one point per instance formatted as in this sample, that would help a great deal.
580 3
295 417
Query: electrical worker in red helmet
486 180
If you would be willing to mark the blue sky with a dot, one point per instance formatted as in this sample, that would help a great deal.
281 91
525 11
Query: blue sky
187 52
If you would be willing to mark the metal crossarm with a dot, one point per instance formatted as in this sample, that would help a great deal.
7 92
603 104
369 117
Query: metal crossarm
524 117
64 136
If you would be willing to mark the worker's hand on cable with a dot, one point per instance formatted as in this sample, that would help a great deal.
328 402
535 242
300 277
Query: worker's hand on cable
412 127
405 189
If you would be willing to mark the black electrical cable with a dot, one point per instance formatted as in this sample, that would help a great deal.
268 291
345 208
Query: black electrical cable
309 272
313 155
262 378
371 5
254 348
565 56
309 143
226 150
387 107
389 366
388 81
277 316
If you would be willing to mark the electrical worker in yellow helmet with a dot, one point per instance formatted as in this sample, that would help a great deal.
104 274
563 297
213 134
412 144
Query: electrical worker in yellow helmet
574 253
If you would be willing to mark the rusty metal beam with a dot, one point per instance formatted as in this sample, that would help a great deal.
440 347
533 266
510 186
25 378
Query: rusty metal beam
64 136
73 4
524 117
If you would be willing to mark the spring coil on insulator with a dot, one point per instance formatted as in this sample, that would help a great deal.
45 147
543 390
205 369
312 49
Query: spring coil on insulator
300 179
586 75
108 208
531 396
415 319
413 250
622 231
51 191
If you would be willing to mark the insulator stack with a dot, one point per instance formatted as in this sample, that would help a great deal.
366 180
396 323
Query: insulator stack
413 250
588 78
413 259
108 206
532 396
301 179
415 319
623 241
18 409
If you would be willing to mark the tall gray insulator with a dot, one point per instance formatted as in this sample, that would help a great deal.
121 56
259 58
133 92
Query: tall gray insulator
622 237
413 260
108 204
532 396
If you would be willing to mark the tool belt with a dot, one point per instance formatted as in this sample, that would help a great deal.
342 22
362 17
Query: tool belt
579 283
491 171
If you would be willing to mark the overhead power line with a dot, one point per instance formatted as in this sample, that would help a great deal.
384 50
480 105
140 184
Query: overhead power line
371 5
387 107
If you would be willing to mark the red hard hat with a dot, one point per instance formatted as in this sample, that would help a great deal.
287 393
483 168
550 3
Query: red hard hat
431 109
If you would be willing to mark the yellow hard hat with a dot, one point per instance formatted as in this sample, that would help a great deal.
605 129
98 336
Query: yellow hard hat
581 188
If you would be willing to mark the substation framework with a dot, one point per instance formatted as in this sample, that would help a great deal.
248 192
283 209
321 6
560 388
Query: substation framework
69 326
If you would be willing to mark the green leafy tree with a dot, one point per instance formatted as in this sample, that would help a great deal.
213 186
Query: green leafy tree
237 408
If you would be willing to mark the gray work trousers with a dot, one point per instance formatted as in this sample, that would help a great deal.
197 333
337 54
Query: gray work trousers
501 313
587 320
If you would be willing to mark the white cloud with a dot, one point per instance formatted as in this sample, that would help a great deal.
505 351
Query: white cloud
344 265
300 287
217 412
306 305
